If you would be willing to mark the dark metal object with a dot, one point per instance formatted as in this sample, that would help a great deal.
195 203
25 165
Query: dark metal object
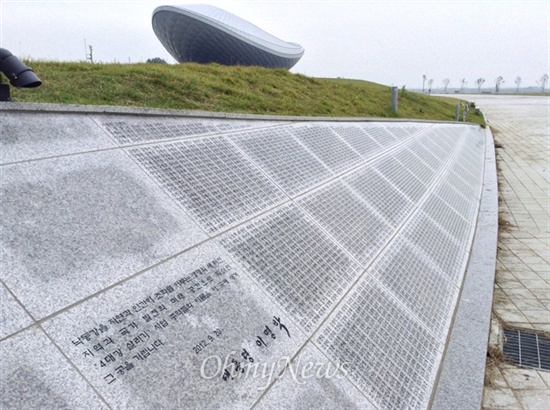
4 92
527 349
18 73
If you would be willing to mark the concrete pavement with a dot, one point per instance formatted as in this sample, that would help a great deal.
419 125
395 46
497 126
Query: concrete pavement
522 288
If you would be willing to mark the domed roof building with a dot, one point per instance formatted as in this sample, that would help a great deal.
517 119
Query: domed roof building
206 34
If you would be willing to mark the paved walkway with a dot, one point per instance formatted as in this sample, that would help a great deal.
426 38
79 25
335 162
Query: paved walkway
522 287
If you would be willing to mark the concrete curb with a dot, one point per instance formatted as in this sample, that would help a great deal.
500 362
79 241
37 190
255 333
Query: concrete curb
156 112
462 371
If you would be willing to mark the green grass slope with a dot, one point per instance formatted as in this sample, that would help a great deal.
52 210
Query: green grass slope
213 87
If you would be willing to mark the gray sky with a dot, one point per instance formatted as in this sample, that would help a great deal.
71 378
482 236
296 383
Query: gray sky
388 42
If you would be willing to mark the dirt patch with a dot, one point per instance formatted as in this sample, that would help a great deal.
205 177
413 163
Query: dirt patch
504 225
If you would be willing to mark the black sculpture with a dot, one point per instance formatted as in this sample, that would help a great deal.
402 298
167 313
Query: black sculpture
18 73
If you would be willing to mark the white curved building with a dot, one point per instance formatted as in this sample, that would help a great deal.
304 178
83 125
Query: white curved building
206 34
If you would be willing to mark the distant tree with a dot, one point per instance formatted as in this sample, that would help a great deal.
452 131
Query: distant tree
463 84
446 82
156 60
498 82
423 82
430 82
479 83
518 82
542 82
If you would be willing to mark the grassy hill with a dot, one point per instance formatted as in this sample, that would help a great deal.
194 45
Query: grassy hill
213 87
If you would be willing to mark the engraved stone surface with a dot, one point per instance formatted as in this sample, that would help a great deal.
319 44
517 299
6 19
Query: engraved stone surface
132 130
328 147
392 358
422 149
301 268
440 143
430 238
466 207
457 179
355 225
359 140
214 181
414 128
73 225
283 158
159 261
26 136
397 131
380 134
311 381
471 179
421 287
415 165
380 194
449 219
403 177
182 335
35 375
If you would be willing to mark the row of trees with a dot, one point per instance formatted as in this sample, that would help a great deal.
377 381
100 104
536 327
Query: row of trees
479 83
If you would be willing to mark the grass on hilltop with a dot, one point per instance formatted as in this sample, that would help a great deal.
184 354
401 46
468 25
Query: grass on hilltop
236 89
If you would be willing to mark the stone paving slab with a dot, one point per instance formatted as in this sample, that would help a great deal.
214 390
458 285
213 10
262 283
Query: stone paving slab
35 375
169 328
12 315
22 139
324 393
75 225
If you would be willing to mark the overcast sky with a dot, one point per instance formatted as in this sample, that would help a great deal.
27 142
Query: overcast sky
388 42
